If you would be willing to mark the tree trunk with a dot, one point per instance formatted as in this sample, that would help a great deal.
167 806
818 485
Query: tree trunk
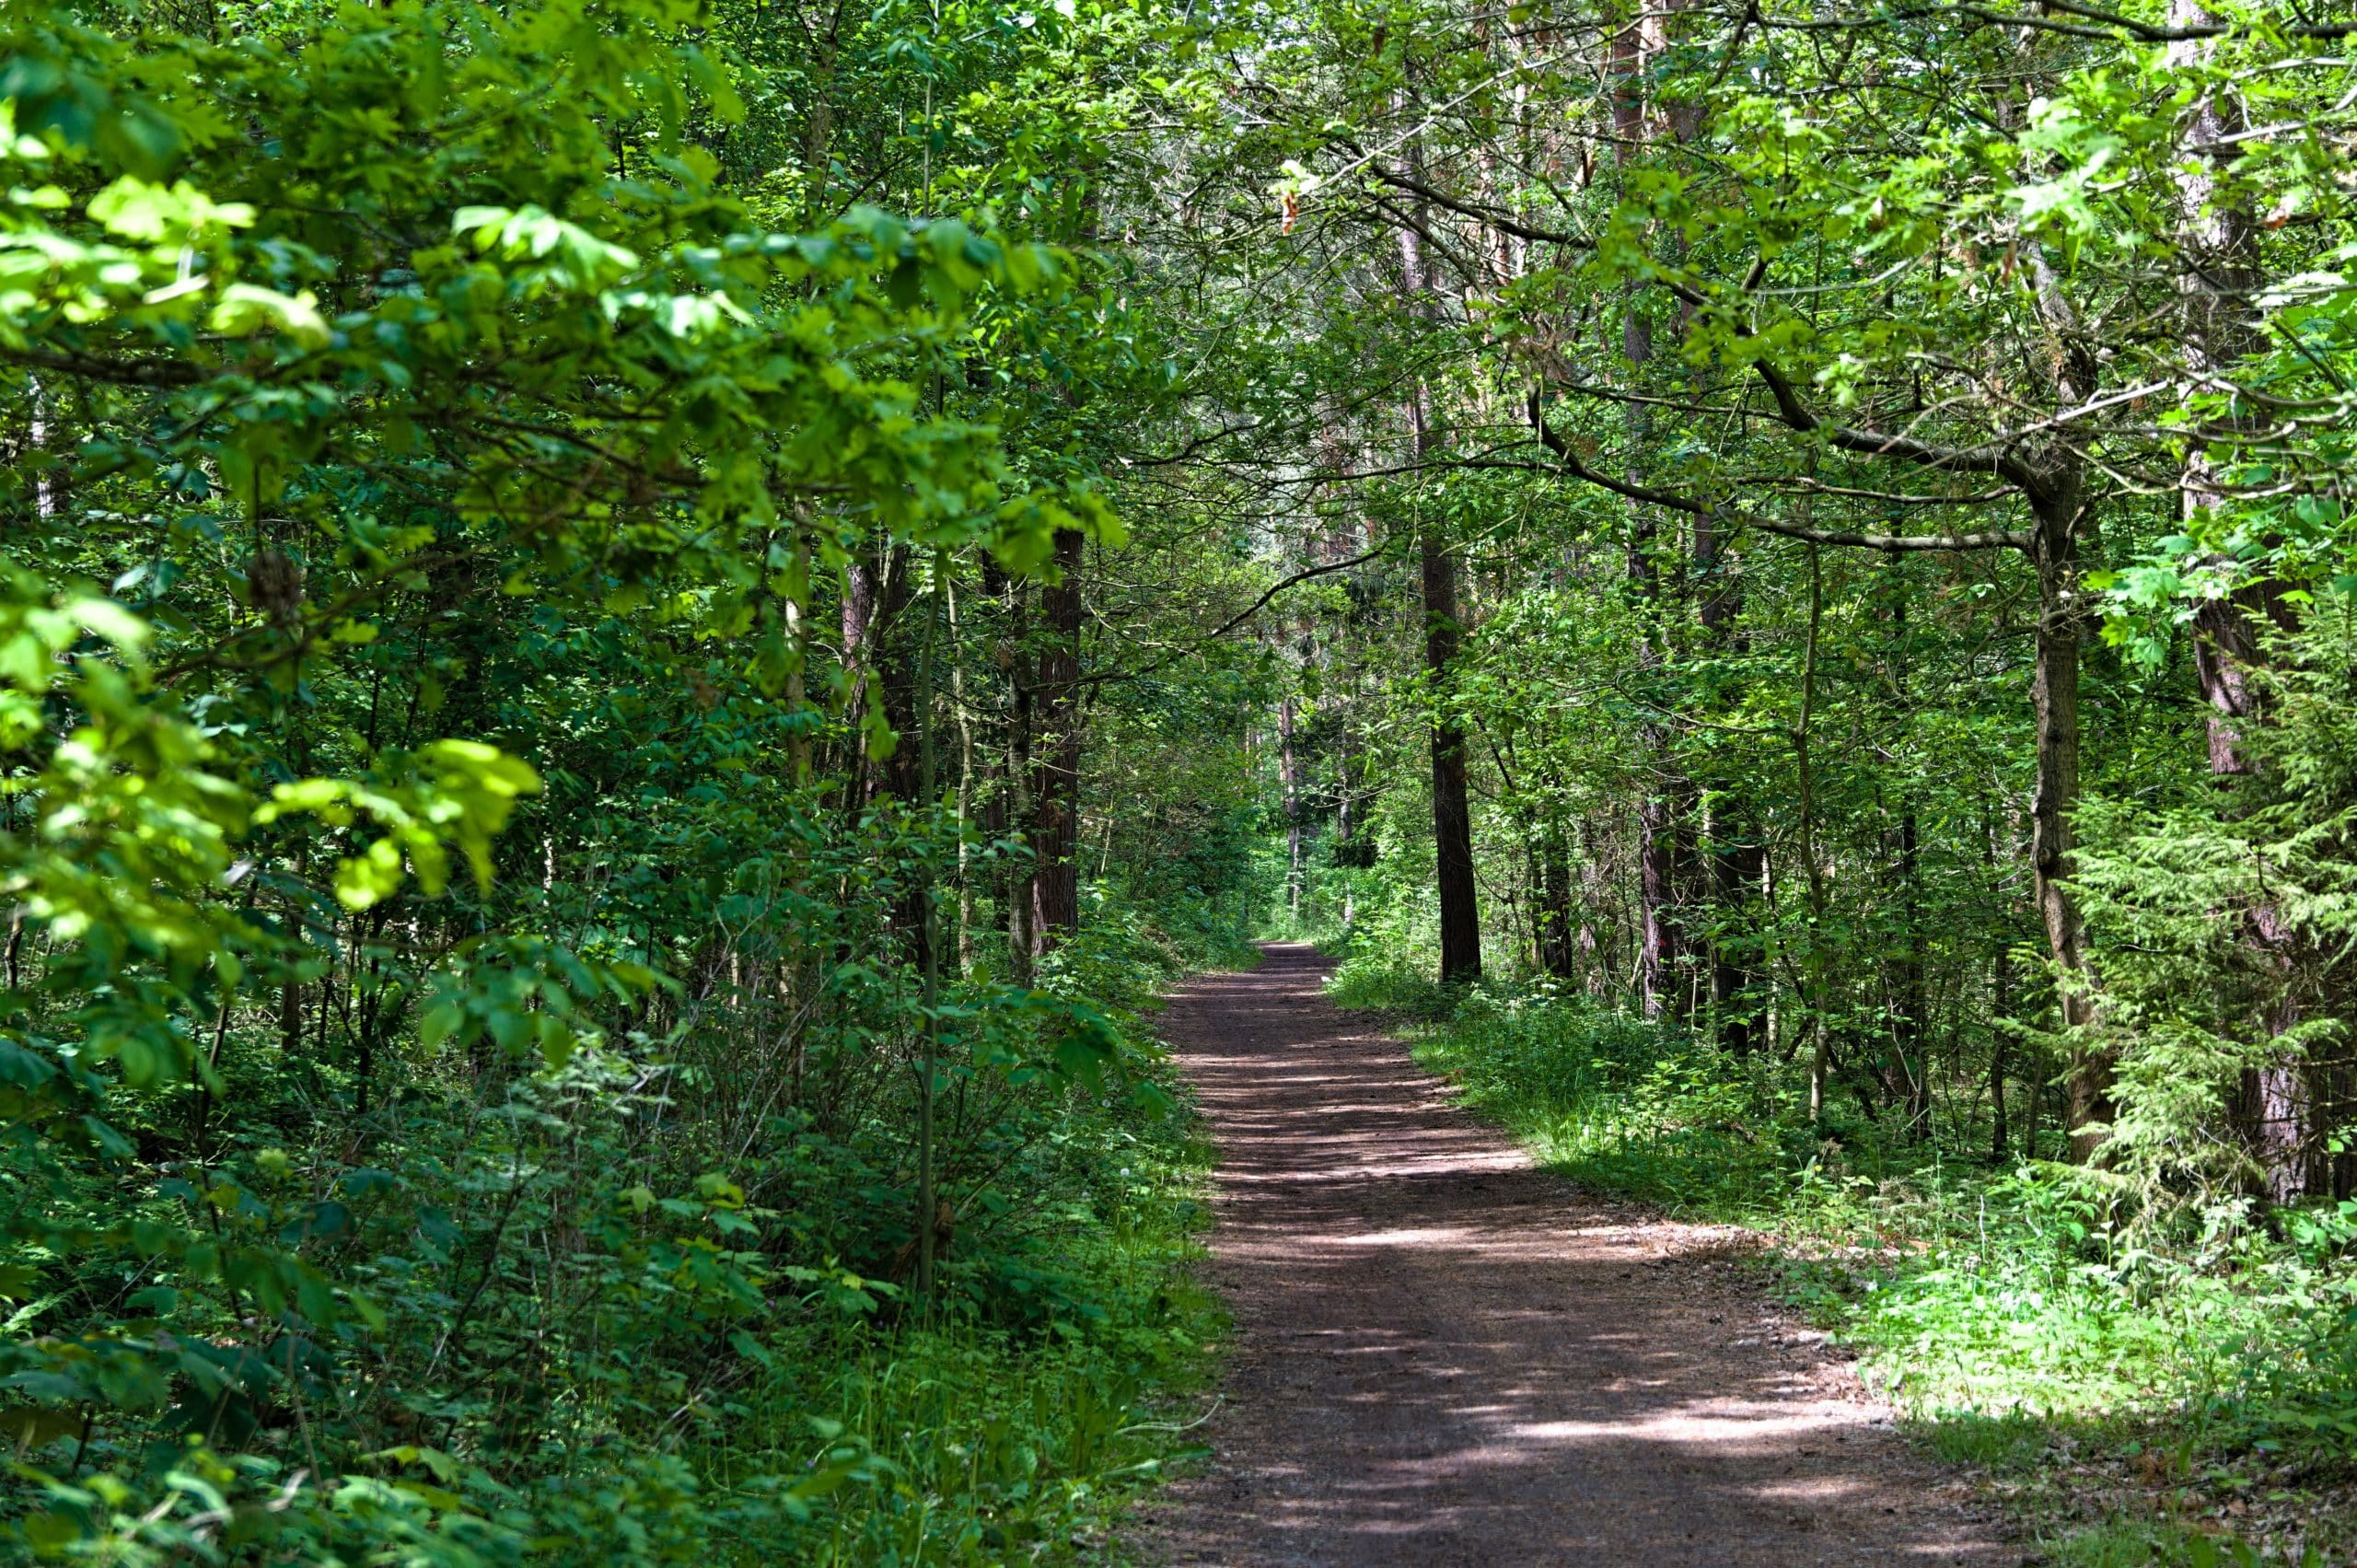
1736 859
1460 927
858 616
2220 279
2000 1019
1008 815
1911 1074
1805 776
1558 940
1055 789
2055 694
1288 775
1737 863
895 649
1460 919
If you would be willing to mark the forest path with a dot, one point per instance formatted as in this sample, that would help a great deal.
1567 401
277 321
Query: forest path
1444 1356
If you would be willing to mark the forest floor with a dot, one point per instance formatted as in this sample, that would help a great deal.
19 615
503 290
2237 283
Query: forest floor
1442 1355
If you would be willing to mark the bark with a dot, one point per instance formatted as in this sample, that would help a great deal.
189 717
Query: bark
817 131
1737 863
1461 929
858 616
1460 920
2001 1018
1813 869
1016 891
1055 777
894 644
1600 951
1737 860
52 484
1661 935
1662 932
2055 696
1558 944
966 781
2221 277
1289 778
1910 1078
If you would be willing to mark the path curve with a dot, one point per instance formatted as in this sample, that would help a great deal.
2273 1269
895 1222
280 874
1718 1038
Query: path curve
1446 1356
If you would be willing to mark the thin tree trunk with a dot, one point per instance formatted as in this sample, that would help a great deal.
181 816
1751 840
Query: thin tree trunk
2220 280
2000 1024
1736 857
1558 940
1288 777
964 785
1909 1033
1821 1061
1016 897
1055 871
858 617
1460 927
2056 697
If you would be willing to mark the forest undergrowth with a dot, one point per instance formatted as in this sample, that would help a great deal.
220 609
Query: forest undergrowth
730 1369
2139 1388
1018 1424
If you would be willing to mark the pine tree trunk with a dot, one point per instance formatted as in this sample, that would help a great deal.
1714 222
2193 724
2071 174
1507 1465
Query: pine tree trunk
1461 929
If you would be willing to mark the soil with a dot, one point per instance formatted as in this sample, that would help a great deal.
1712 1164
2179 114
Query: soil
1444 1356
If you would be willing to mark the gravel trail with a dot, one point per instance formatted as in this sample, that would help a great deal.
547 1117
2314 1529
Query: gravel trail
1446 1356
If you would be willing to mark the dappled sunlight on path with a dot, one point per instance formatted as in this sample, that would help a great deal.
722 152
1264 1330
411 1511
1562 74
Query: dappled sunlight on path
1446 1356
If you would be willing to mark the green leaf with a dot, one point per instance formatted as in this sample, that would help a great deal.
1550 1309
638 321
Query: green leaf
246 310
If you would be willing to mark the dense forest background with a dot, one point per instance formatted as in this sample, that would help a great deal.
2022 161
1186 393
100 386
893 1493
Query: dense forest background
635 634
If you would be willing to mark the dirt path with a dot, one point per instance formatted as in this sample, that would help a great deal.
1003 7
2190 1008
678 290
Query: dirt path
1445 1356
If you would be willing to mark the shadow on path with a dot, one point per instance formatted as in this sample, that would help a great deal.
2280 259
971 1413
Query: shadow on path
1446 1356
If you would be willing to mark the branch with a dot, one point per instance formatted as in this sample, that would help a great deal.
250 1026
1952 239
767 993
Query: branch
2148 33
119 372
1992 458
1488 215
1891 497
1579 469
1892 544
1232 621
1888 543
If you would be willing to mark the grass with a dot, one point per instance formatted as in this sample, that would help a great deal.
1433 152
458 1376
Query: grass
2096 1373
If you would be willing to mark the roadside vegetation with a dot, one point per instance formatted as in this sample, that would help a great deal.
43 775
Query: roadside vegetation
577 978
